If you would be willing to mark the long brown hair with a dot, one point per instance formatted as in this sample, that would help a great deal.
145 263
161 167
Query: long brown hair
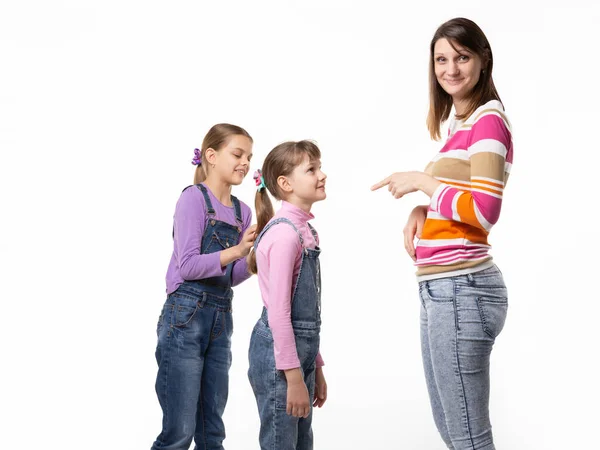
216 138
467 34
281 161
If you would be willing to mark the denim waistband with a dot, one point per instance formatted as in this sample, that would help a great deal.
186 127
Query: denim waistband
216 295
468 274
296 324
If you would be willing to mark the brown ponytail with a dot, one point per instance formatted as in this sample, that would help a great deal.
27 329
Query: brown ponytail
264 213
281 161
199 174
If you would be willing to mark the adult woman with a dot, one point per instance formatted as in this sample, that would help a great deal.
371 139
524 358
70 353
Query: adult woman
463 295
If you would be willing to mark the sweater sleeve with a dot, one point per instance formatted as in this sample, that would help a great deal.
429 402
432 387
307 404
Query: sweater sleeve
490 145
189 225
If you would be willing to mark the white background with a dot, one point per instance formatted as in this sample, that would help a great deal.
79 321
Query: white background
101 106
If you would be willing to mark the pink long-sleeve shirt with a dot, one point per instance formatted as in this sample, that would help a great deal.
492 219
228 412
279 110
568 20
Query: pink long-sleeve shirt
278 258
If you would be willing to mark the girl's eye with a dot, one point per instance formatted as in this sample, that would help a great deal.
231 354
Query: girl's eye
440 59
463 58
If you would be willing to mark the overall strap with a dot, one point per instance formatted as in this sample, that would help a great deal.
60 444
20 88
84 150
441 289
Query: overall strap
238 210
275 222
209 207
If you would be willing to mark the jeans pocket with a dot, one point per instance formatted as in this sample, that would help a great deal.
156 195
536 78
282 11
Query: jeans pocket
222 325
184 309
229 323
280 390
160 321
184 315
440 290
493 312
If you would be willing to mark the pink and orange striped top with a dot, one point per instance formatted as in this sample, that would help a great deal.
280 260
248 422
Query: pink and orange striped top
473 167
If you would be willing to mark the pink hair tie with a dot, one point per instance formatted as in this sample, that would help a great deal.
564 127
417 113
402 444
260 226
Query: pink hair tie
259 180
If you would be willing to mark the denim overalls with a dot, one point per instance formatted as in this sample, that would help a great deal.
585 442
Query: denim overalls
194 348
278 430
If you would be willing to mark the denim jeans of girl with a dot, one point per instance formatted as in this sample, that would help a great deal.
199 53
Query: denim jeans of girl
278 430
194 349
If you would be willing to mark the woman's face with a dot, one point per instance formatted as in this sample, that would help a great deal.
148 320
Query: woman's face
457 71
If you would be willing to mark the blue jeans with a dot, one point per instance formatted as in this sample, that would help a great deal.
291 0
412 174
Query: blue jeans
278 430
194 357
461 317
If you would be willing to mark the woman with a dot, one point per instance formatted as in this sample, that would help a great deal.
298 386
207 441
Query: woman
463 295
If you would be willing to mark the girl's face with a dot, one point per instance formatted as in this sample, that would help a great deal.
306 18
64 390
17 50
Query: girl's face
306 183
456 71
231 162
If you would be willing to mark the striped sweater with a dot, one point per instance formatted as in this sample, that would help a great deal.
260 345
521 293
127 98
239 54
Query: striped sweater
473 167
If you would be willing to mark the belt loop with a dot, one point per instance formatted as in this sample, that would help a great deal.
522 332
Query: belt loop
265 316
202 300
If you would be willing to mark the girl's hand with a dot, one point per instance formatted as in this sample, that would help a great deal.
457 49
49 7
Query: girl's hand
247 241
320 388
414 226
298 403
399 183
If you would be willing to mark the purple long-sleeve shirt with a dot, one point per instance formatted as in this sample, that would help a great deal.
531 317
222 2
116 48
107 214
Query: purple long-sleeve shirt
189 223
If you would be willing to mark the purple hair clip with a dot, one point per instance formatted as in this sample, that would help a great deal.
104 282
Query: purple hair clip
197 161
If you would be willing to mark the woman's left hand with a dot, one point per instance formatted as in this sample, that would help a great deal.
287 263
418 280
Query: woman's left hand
400 183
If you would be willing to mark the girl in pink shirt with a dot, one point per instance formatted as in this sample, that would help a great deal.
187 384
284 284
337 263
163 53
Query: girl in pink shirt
286 371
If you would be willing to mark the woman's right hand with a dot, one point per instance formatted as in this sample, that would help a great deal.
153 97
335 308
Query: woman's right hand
414 227
247 241
298 402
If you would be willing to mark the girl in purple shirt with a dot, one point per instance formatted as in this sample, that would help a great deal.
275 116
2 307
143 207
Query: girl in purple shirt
211 238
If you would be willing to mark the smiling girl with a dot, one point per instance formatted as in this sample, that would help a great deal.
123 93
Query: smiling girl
211 238
286 371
